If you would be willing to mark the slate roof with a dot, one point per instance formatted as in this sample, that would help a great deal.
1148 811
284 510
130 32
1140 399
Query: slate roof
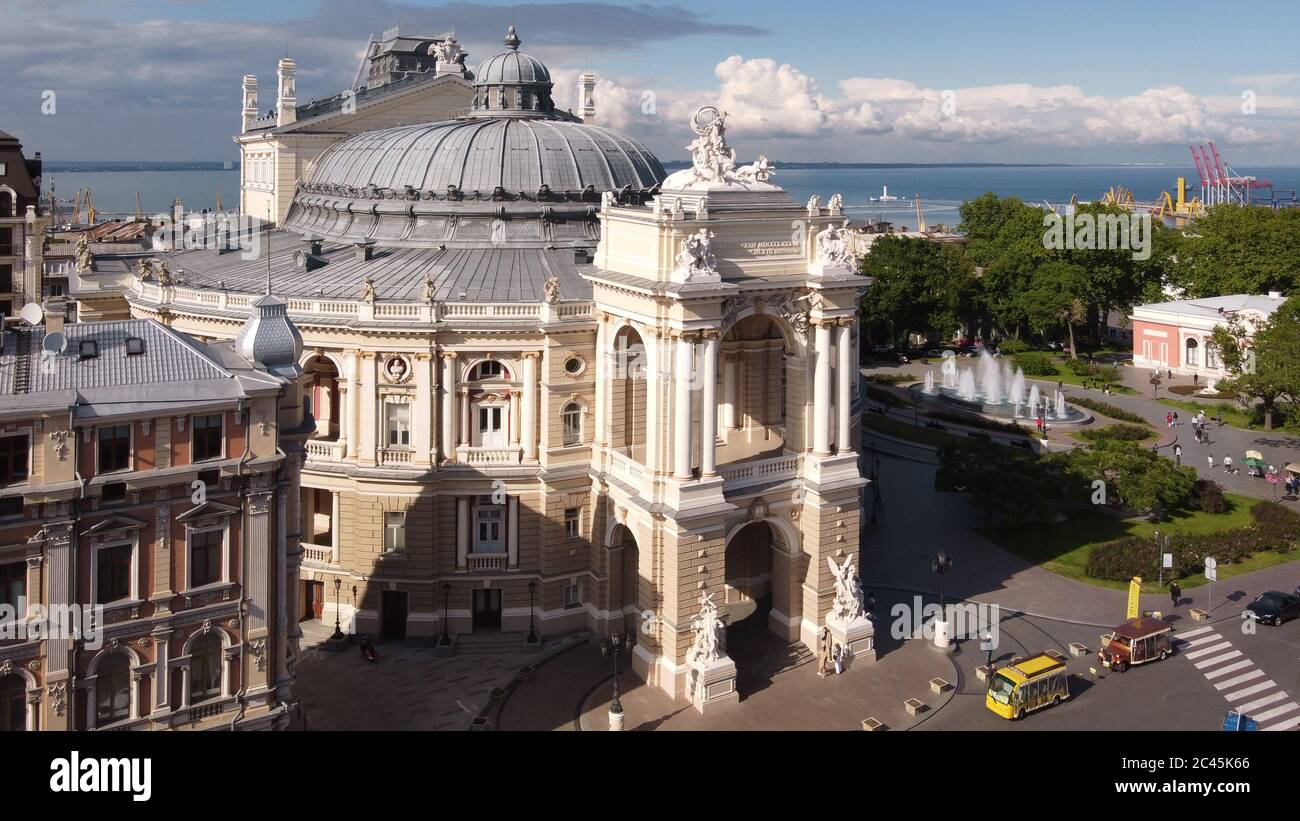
480 274
1209 307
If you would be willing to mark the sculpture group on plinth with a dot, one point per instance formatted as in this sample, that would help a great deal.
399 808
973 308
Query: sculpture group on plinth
713 160
710 640
696 255
833 249
850 632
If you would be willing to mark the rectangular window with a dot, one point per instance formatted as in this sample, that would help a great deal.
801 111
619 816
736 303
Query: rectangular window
113 573
114 448
487 530
206 442
571 522
6 241
572 420
205 557
13 586
394 530
14 456
491 430
572 595
6 279
399 424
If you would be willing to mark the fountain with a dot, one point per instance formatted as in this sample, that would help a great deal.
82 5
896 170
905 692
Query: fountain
966 389
996 389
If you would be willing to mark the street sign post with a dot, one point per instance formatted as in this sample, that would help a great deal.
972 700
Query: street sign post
1211 574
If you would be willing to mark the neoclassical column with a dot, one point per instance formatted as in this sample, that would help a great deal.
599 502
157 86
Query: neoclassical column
844 376
335 528
435 410
448 405
462 531
528 429
353 415
421 425
728 409
369 384
162 676
682 407
709 407
512 531
602 390
465 437
655 345
822 389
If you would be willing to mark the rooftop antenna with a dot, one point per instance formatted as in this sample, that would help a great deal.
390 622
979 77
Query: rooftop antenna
268 249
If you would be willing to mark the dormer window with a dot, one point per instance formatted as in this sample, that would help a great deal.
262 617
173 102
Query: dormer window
134 346
88 349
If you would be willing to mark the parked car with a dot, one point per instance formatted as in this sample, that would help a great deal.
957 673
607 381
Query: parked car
884 347
934 352
1274 607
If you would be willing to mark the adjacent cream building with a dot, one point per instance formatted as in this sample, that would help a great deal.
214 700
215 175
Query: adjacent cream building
554 389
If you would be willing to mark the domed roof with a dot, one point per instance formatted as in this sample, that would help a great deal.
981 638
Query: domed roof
515 154
511 67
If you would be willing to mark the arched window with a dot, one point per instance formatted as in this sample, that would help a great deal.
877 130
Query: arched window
113 689
571 416
205 668
6 204
1193 352
13 703
488 369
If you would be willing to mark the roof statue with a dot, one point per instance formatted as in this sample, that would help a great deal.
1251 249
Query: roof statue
833 247
551 290
164 275
143 269
847 606
760 170
814 203
448 52
709 638
83 254
836 204
367 289
712 160
426 295
696 256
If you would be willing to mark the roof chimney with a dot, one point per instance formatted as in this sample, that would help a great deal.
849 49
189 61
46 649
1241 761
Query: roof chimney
365 250
250 100
286 106
54 311
587 97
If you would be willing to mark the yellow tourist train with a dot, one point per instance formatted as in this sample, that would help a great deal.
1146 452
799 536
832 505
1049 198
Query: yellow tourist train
1026 685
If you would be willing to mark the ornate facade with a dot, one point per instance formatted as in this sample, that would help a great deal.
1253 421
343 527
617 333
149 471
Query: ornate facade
553 389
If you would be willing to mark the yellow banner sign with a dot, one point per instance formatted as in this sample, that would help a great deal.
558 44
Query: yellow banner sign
1134 593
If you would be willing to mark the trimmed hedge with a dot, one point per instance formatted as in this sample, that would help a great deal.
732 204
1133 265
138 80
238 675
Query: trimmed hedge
1036 364
976 421
1012 346
1275 528
1122 431
891 378
884 397
1107 409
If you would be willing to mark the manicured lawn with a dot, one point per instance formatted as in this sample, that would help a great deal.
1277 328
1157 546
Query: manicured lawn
1144 441
911 433
1235 417
1063 375
1063 547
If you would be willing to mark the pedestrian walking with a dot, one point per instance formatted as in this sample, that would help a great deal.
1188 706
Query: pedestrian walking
1169 419
1227 464
1175 593
1210 459
1175 418
1178 455
1195 377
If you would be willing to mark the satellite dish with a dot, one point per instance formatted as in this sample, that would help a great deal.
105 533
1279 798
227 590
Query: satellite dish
32 313
54 343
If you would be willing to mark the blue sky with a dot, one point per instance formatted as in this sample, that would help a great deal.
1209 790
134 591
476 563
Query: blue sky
1101 82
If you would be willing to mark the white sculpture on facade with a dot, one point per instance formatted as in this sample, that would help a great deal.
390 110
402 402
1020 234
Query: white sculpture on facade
761 170
847 606
814 203
551 290
696 255
711 157
836 204
708 645
448 52
833 247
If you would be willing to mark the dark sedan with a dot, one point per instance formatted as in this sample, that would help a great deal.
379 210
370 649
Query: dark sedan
1274 607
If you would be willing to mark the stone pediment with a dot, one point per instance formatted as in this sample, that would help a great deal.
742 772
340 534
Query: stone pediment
206 510
112 526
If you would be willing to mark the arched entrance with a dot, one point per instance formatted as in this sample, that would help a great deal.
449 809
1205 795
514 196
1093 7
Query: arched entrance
627 594
748 571
322 390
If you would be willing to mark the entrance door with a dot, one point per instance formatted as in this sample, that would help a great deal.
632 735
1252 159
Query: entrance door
313 600
487 609
392 614
491 430
487 538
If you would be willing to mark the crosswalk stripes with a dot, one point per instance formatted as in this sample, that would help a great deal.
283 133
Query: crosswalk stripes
1238 679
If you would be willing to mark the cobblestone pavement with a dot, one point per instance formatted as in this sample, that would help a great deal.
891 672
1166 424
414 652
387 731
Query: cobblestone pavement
407 689
778 684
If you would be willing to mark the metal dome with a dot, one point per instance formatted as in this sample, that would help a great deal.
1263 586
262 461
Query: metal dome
511 68
516 155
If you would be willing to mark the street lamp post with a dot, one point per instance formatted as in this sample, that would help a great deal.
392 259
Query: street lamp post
614 647
338 628
941 564
532 631
446 591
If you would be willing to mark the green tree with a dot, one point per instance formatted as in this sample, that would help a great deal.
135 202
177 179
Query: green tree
1135 476
918 287
1056 297
1239 250
1263 360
